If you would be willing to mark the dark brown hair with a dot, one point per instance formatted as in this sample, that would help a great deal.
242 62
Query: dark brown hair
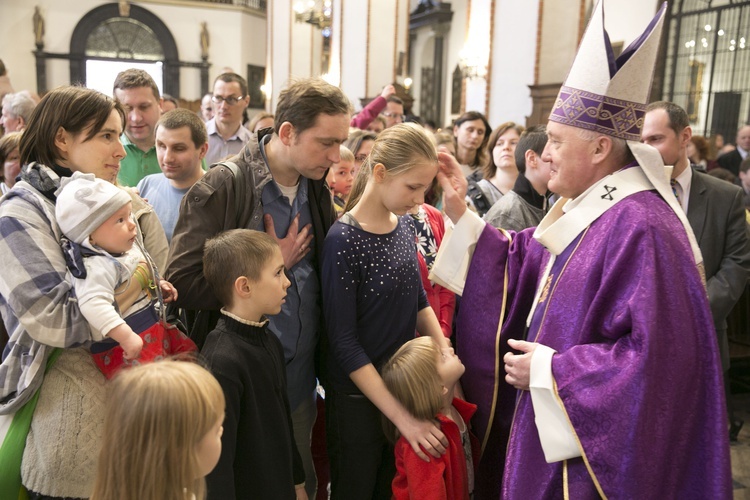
302 102
678 118
490 168
72 108
481 156
178 118
233 77
701 145
534 139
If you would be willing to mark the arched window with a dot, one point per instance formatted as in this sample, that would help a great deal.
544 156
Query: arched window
707 70
104 42
124 38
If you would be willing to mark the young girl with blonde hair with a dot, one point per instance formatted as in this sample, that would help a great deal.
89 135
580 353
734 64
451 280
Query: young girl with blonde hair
373 301
422 376
162 433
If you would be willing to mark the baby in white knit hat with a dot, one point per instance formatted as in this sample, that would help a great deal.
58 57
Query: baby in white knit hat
103 252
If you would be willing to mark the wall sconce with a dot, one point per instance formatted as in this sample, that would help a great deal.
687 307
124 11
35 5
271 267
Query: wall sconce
407 83
472 64
314 13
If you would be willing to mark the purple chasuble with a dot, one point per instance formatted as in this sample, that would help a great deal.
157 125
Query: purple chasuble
637 366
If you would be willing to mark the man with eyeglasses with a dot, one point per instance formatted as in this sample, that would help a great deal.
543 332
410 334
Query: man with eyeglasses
226 135
394 111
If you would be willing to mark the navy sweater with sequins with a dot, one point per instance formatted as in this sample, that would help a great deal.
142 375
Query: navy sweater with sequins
372 293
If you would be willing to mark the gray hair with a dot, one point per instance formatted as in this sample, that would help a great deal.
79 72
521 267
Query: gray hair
620 149
20 105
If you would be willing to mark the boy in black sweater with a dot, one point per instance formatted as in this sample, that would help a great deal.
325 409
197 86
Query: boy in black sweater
259 458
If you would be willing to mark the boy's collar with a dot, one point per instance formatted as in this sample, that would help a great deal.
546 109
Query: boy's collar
244 321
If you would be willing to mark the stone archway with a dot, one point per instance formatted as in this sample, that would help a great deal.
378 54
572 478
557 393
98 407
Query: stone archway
142 37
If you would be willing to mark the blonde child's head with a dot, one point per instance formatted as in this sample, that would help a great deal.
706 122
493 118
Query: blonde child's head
341 175
411 375
241 263
399 149
162 433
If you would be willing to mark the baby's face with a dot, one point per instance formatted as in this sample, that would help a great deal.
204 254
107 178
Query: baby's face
117 234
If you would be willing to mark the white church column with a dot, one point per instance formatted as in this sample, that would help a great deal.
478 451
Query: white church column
475 54
370 41
511 68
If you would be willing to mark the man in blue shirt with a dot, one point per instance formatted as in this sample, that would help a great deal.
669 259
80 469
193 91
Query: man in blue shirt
180 148
226 135
282 188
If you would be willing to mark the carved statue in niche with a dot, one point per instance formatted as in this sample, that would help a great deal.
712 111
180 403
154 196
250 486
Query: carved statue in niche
204 40
38 22
124 7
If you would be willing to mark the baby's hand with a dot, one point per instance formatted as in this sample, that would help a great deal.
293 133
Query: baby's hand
168 291
132 346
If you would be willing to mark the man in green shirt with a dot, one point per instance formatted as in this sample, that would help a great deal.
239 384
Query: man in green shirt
139 95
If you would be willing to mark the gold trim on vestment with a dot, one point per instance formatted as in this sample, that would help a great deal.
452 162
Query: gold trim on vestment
493 408
554 382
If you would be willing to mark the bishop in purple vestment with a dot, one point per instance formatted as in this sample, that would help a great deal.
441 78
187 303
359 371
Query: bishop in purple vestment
616 391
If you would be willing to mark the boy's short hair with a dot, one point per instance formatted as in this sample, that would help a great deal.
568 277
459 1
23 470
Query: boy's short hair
180 117
346 154
533 138
233 254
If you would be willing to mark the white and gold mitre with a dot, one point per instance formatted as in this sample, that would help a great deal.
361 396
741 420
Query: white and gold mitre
605 94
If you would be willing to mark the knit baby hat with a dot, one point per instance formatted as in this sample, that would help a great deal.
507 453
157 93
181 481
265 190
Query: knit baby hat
84 203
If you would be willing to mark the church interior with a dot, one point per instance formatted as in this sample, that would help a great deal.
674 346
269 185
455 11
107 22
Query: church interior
504 58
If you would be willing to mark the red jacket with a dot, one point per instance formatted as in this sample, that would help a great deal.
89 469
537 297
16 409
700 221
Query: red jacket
442 478
369 113
442 300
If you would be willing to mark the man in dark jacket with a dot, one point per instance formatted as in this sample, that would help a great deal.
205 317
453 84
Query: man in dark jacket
281 187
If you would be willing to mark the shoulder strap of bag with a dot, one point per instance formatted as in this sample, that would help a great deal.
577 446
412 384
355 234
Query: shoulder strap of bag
239 188
481 203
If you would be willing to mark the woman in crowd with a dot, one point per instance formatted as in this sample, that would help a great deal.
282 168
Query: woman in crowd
471 131
10 159
73 129
697 150
500 171
360 144
261 120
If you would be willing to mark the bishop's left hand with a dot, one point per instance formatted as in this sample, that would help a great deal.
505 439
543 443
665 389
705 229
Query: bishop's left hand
518 366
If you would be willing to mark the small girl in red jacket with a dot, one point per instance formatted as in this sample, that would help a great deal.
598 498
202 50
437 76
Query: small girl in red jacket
423 377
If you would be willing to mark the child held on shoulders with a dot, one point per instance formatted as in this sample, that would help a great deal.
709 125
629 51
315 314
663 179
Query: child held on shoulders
104 250
422 376
162 433
341 179
246 271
